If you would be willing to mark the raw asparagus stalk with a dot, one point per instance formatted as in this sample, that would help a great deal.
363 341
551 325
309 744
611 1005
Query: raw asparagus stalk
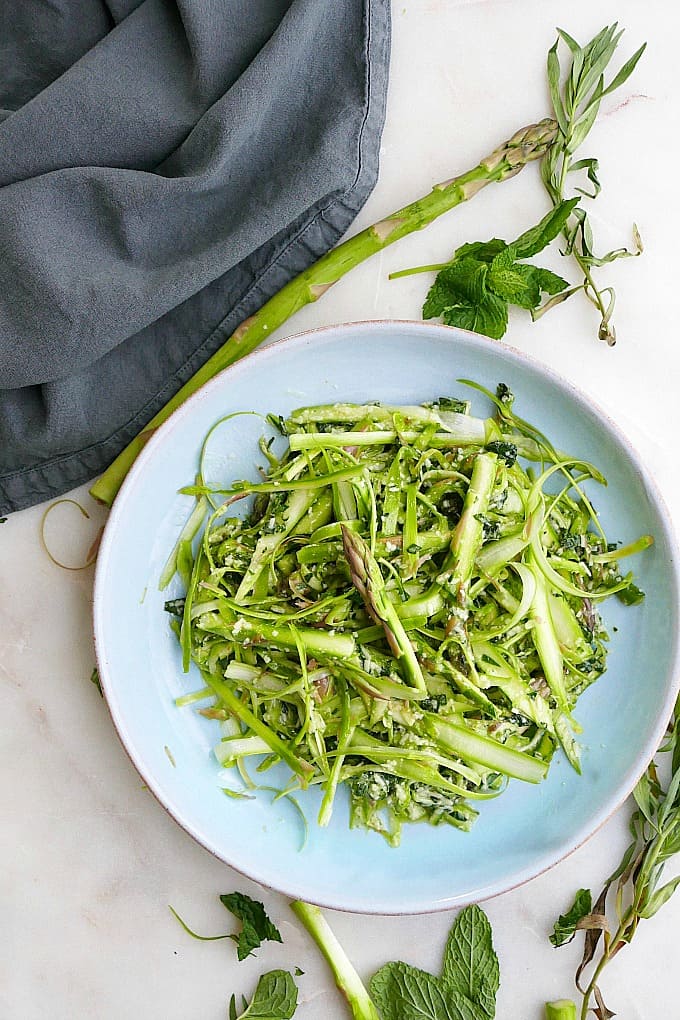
346 977
504 162
545 640
275 744
562 1009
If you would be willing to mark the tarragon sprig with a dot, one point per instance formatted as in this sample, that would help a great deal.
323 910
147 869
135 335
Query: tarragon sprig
576 100
638 885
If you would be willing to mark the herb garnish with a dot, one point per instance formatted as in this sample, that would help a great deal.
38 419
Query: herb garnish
474 289
567 924
256 926
466 989
639 890
275 998
576 100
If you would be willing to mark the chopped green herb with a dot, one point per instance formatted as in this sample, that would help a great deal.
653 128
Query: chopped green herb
566 924
631 595
94 679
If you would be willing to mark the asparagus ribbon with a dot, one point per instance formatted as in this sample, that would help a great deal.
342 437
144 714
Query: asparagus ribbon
369 582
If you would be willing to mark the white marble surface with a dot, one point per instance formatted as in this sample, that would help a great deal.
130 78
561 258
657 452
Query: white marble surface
89 859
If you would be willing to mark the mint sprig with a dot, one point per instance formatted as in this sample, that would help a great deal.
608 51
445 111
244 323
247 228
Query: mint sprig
473 290
275 998
256 926
466 989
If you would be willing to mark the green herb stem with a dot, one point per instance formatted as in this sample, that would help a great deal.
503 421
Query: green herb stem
434 268
638 880
576 99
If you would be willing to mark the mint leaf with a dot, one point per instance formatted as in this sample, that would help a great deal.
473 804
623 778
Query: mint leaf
275 998
565 925
463 279
520 283
402 992
459 294
483 251
474 289
470 963
536 239
549 282
490 316
256 925
514 282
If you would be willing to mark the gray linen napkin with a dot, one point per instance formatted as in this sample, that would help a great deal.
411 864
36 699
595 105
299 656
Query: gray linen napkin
164 169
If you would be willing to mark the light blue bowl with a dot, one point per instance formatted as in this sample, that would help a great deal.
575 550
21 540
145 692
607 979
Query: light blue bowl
528 828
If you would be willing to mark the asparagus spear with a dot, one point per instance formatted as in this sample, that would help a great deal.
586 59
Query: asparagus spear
370 584
530 143
486 752
561 1009
346 977
467 538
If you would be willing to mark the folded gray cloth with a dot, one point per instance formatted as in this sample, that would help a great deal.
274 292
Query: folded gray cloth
164 169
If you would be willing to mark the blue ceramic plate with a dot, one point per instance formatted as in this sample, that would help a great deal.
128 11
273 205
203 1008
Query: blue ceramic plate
528 828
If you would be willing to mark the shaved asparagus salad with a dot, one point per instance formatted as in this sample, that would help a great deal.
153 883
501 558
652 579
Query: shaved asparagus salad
409 607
